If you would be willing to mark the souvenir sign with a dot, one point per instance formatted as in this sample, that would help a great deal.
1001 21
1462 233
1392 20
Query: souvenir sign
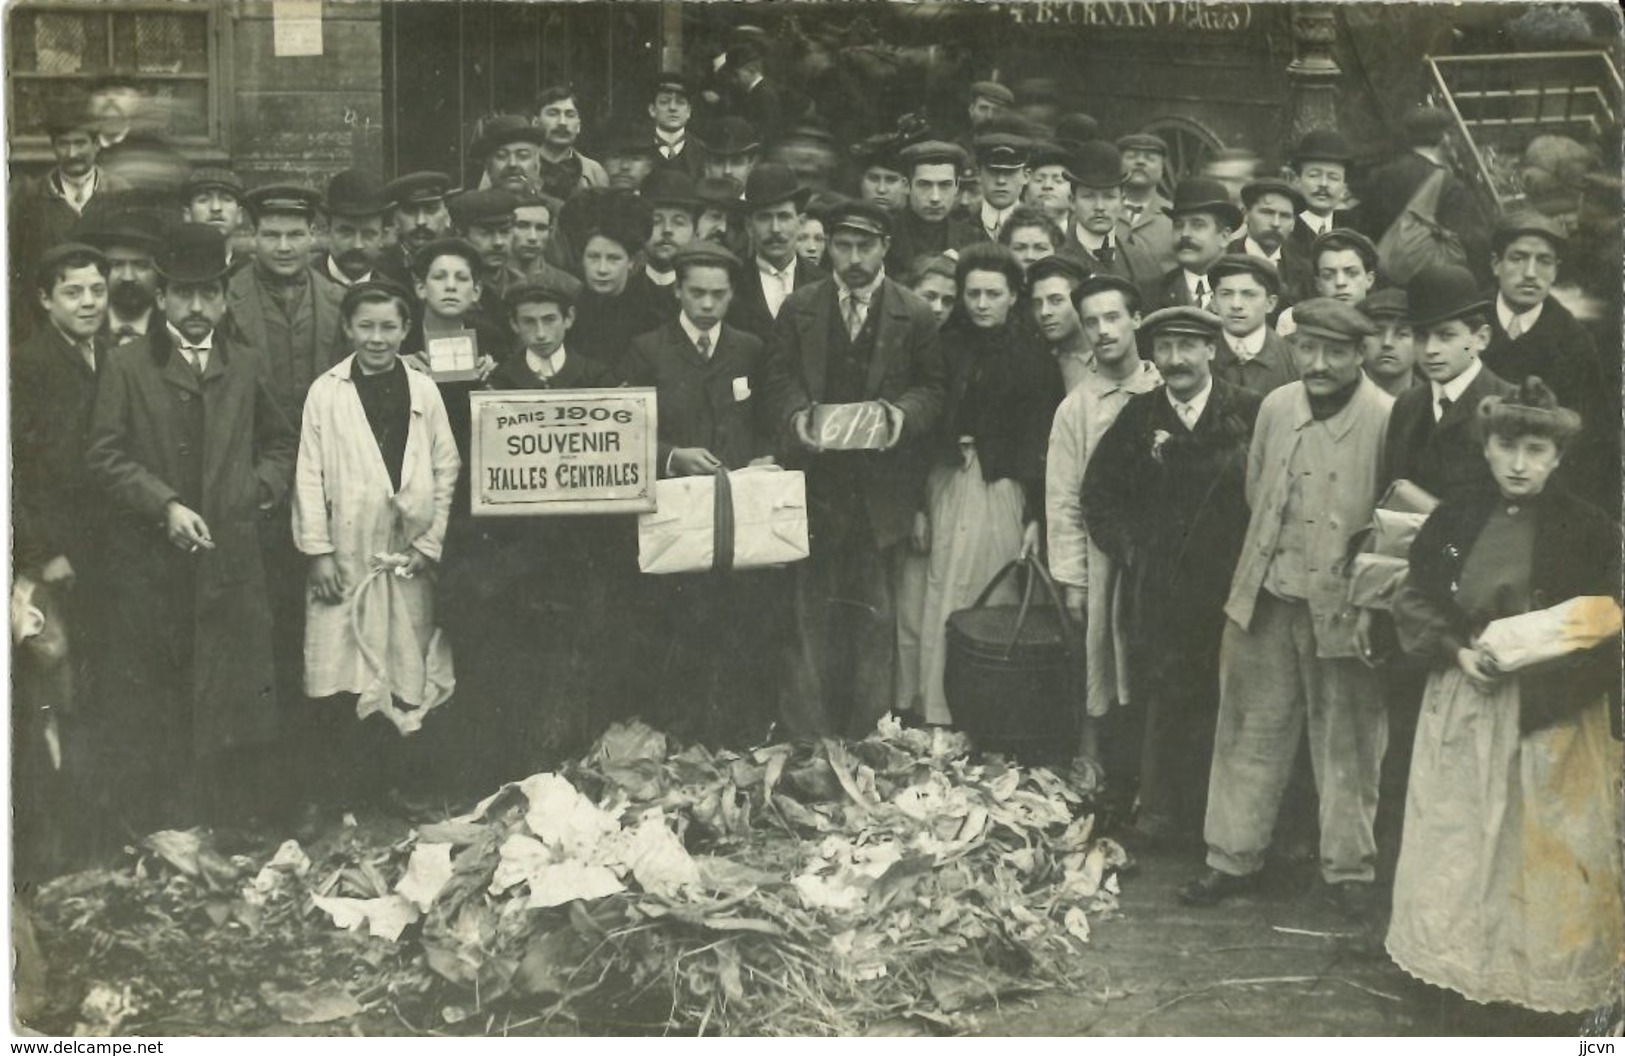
564 451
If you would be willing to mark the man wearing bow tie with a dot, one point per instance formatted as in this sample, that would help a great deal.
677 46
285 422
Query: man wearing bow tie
1099 228
671 110
192 450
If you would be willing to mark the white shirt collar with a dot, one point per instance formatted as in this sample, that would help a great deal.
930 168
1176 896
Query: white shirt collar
1247 347
787 273
1191 279
694 332
1526 320
1197 403
660 278
993 219
1317 224
1453 388
672 139
1253 249
1091 241
553 363
180 341
866 292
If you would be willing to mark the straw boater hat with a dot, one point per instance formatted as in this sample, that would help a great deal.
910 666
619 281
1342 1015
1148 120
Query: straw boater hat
1530 409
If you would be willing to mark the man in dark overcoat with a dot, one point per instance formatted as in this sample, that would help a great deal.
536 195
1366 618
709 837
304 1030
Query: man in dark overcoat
1165 497
192 450
856 336
774 205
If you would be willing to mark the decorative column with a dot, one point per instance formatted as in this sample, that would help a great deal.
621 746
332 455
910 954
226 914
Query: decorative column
1313 71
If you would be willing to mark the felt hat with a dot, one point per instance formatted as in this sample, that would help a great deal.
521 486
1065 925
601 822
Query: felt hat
1443 291
1199 194
1526 222
354 193
194 253
1326 317
490 207
1389 302
417 188
731 137
1096 164
1322 144
669 186
212 178
720 192
771 183
1077 128
140 229
502 129
1182 319
992 91
933 152
1252 192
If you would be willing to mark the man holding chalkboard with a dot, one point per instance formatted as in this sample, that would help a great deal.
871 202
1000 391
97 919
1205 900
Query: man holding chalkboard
852 349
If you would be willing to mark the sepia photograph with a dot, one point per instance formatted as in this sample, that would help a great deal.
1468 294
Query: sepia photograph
815 518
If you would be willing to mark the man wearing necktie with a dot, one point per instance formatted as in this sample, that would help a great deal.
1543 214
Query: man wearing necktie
1164 499
1203 218
1320 170
1100 228
191 450
857 337
774 204
1252 355
1145 157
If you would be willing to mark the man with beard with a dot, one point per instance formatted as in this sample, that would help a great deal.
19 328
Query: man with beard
1144 208
671 110
130 240
1291 651
774 208
1050 284
629 158
855 337
509 151
1001 162
881 180
928 225
192 449
564 170
1109 312
1251 356
355 210
733 150
674 207
418 213
1203 218
1094 170
1164 499
486 219
1269 209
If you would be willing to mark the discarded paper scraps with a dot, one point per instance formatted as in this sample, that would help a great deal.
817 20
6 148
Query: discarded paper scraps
794 889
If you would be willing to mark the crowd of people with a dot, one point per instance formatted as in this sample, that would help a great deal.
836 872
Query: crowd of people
240 487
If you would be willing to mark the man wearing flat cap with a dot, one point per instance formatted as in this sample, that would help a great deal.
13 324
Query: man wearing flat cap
988 99
191 446
1391 187
1098 229
418 213
1144 208
1433 438
1164 498
215 196
1294 653
357 213
1390 353
775 204
564 169
855 337
1270 209
1251 354
1203 219
486 219
928 224
1532 333
671 109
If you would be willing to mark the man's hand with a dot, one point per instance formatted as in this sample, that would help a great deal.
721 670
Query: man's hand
920 537
894 424
1077 600
416 561
484 366
1029 540
57 570
1362 638
325 581
186 529
693 462
801 423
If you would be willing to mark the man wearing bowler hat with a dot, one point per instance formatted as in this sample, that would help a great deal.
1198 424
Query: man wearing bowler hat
752 97
928 223
671 110
732 149
1145 156
1164 498
855 337
1270 209
130 240
1532 333
1320 169
192 448
774 206
1099 230
1251 354
356 213
418 213
629 158
1294 653
1433 438
1203 219
674 208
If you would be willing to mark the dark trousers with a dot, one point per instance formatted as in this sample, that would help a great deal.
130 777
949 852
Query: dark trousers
842 666
356 762
1180 697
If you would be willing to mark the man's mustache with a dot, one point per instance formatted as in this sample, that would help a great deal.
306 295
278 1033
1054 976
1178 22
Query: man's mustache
1185 243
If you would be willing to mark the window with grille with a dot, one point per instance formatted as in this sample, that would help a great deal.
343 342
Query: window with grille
56 52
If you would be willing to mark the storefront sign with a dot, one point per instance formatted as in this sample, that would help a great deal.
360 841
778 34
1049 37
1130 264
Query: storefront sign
1197 16
571 451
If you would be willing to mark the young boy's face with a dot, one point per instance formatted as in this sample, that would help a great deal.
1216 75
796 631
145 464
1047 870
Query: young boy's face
541 326
375 330
449 289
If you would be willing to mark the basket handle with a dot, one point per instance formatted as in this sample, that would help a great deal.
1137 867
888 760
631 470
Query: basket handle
1041 574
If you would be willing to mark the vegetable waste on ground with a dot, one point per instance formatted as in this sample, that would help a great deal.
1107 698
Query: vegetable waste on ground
894 883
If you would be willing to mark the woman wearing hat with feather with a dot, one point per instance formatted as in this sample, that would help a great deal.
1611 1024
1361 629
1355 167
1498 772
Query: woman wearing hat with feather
1508 884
